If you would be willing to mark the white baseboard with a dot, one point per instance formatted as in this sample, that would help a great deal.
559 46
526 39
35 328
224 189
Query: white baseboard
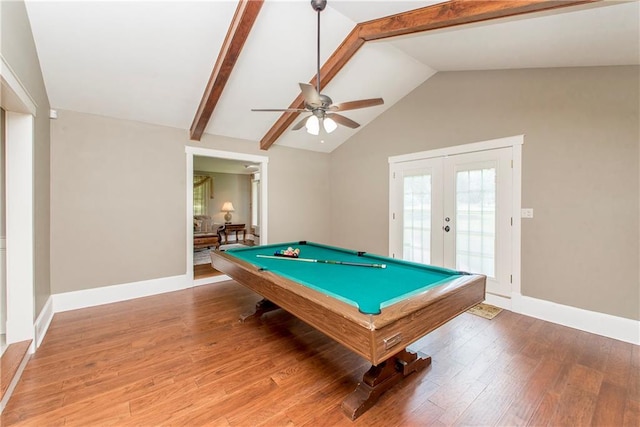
43 321
618 328
498 301
109 294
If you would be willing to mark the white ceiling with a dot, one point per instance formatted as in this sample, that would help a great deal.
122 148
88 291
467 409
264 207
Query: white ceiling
150 61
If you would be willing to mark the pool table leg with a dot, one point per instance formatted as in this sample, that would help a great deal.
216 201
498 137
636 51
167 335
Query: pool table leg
263 306
380 378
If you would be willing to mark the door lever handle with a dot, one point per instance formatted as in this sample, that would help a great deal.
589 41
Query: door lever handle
446 228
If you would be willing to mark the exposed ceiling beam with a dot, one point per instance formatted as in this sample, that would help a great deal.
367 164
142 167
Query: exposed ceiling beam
441 15
241 24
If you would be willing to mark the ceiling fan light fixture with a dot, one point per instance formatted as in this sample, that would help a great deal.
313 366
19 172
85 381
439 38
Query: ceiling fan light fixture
322 119
313 125
329 124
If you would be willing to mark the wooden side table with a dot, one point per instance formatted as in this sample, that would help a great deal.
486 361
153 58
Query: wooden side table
234 227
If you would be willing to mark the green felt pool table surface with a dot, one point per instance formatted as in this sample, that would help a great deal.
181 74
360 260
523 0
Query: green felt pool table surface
370 289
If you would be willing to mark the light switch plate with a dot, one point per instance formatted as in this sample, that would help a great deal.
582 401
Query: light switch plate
526 213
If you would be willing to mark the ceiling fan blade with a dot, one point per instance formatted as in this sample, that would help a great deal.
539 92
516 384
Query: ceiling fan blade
300 124
344 121
286 110
353 105
311 95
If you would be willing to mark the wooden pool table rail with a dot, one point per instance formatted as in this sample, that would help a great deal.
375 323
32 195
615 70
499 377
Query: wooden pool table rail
374 337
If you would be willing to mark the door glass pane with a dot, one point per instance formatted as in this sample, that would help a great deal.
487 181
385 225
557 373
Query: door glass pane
417 219
476 221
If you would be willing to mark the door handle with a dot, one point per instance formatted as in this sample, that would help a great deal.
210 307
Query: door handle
446 228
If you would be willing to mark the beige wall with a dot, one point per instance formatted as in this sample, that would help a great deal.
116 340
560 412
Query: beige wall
228 187
580 172
18 49
118 191
235 189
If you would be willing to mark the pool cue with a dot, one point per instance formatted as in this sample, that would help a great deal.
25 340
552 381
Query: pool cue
324 261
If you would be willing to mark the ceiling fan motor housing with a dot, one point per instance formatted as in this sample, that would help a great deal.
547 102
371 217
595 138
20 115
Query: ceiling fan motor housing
318 5
325 103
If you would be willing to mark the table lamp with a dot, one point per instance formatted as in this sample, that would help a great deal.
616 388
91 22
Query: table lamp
227 207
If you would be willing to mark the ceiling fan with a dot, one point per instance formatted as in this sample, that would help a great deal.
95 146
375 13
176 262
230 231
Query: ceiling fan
323 111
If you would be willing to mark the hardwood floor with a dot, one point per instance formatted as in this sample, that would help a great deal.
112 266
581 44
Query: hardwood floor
202 271
184 359
10 362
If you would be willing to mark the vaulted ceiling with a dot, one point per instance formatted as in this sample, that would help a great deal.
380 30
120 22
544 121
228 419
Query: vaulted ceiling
151 61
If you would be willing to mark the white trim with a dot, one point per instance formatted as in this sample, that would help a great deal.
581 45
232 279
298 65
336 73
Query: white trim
16 378
10 81
232 155
20 228
615 327
492 144
498 301
43 321
516 227
189 224
19 204
115 293
3 285
264 202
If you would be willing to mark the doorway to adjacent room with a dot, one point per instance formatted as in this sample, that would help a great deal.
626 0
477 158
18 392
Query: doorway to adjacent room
225 180
223 208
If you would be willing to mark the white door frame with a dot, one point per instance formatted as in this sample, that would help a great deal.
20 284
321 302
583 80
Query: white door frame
514 142
20 113
230 155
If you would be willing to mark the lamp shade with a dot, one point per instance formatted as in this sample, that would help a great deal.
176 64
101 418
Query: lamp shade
227 207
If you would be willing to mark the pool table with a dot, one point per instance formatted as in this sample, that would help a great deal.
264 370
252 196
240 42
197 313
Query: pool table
375 306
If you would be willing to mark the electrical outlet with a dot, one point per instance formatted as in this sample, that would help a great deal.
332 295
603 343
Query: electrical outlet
527 213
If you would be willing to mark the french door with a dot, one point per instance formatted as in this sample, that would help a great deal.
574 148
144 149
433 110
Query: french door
456 211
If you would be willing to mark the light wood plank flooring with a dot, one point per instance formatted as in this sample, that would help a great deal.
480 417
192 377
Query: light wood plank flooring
183 359
202 271
10 362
